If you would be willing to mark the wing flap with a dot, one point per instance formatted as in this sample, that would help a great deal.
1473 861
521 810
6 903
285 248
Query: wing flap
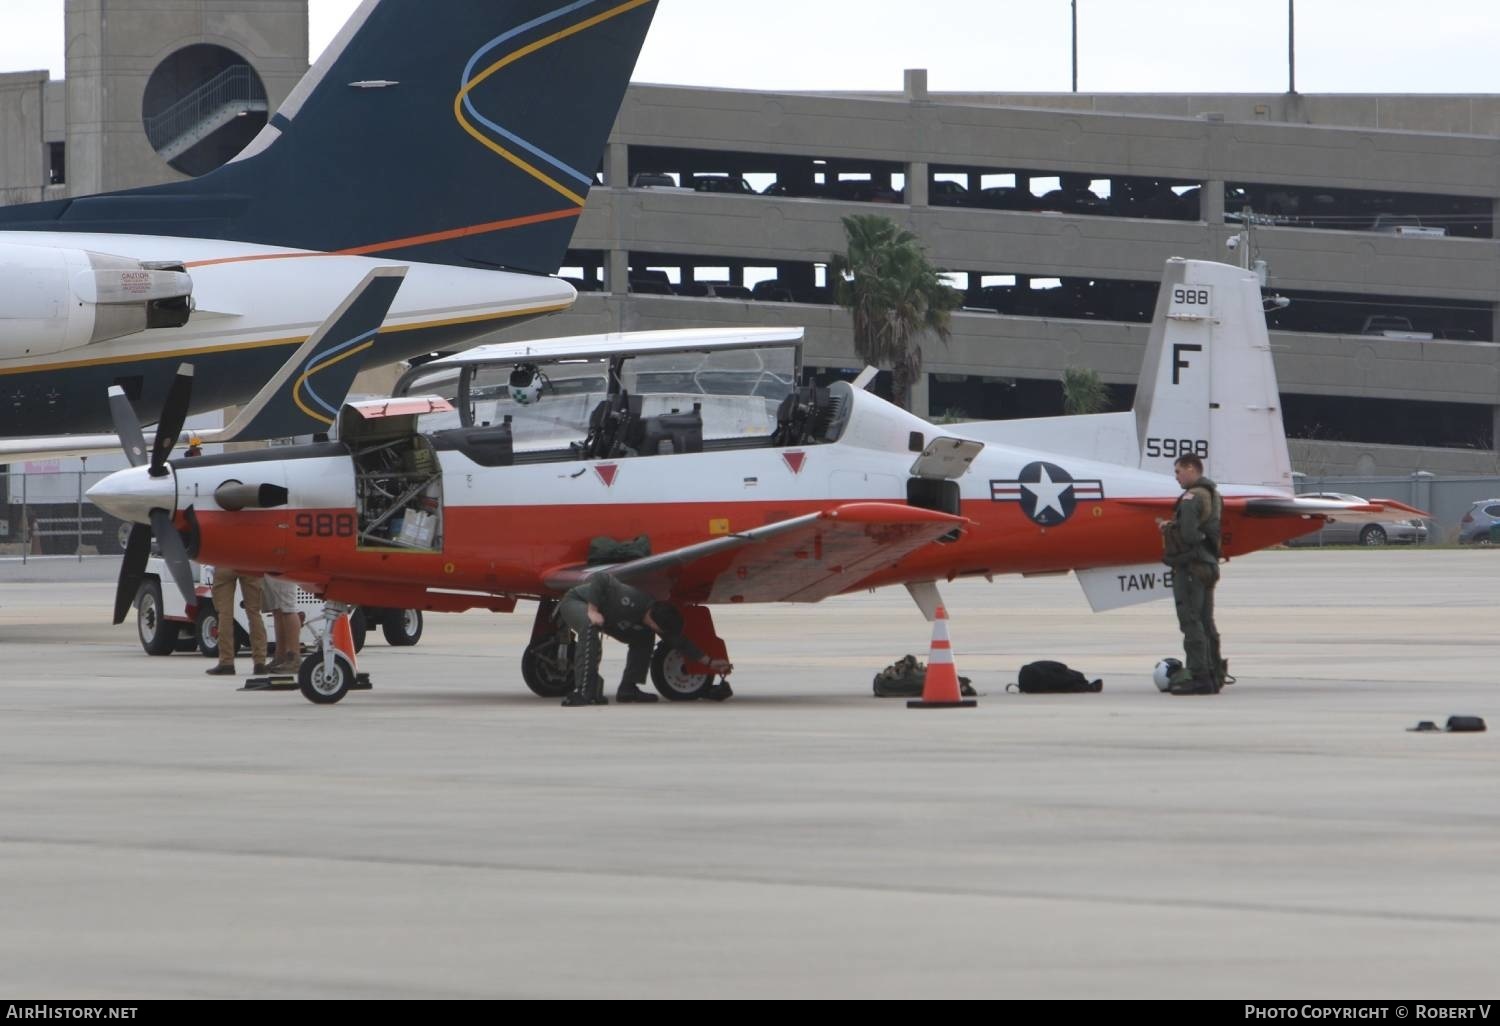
801 559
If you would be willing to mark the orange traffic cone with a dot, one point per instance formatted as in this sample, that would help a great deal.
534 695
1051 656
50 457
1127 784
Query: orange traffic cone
940 688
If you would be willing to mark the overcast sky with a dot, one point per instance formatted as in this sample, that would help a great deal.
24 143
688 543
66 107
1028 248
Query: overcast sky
1005 45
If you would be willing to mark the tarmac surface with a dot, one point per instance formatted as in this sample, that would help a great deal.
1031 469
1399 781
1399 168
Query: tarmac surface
448 835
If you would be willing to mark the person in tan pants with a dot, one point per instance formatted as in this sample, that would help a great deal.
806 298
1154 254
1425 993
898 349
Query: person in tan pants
224 582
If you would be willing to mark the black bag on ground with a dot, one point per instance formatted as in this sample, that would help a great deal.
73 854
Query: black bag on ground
610 550
1045 677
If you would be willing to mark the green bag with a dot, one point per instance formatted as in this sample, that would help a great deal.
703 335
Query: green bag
610 550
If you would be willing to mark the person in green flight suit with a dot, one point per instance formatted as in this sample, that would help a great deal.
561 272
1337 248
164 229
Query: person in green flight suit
1191 545
604 604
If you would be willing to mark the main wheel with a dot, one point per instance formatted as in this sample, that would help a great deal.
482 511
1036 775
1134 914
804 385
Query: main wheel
158 634
673 679
547 666
1374 534
322 684
358 628
402 627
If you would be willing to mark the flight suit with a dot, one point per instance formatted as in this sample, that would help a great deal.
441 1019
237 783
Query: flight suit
624 609
1191 545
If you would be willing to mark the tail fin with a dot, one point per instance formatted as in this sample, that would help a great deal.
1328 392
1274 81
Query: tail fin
448 131
1208 385
305 395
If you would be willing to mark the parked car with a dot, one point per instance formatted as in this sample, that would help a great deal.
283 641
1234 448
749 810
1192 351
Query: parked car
1405 224
1388 326
1362 532
723 183
1476 527
656 180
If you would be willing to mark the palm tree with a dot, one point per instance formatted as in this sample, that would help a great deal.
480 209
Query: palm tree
895 295
1083 391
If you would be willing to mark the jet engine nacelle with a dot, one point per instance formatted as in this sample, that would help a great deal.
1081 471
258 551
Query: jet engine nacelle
53 300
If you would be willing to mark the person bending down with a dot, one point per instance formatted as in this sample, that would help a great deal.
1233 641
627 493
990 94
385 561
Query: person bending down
604 604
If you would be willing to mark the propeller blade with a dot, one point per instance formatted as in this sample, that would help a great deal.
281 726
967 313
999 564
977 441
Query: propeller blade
127 427
173 412
175 553
132 569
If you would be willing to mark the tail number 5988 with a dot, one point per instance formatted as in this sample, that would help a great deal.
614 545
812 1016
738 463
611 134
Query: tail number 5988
1172 448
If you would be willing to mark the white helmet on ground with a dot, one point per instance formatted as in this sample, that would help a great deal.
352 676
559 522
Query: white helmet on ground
1162 675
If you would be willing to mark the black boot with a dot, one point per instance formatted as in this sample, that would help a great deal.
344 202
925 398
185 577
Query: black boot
631 692
588 687
1204 685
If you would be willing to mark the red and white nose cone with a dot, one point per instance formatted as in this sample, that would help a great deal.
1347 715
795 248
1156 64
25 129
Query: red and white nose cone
132 494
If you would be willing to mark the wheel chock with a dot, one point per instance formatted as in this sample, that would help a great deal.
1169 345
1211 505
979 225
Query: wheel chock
277 683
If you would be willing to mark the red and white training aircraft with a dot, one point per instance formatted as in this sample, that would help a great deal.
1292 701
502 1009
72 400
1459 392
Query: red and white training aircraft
749 488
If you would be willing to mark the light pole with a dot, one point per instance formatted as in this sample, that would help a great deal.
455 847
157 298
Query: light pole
1075 46
1291 45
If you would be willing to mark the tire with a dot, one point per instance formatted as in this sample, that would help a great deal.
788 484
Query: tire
402 627
325 688
206 629
158 634
1373 534
547 666
113 537
359 629
672 679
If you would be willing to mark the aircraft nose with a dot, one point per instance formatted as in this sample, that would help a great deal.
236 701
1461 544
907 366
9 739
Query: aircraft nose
132 494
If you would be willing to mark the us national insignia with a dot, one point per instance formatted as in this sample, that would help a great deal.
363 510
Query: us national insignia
1048 494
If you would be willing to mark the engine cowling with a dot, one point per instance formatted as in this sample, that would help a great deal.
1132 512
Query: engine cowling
53 300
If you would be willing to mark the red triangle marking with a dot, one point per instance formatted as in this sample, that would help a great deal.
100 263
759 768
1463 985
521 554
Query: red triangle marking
795 460
607 473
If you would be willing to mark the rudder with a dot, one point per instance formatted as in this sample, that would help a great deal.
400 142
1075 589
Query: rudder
1208 383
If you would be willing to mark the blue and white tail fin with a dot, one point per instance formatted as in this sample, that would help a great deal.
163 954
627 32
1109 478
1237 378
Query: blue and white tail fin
447 131
1208 384
304 397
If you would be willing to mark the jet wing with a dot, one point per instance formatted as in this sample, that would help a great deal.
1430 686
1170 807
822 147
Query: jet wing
802 559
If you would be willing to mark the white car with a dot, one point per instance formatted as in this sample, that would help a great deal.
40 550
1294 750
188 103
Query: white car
164 629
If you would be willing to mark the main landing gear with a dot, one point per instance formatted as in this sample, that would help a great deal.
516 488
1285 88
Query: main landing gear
547 663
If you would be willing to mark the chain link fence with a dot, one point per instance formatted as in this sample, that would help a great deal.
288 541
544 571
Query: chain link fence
46 514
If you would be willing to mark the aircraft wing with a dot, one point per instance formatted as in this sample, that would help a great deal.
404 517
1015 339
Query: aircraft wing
802 559
302 398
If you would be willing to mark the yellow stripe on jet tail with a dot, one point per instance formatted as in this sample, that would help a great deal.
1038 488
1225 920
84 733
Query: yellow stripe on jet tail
511 58
302 381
